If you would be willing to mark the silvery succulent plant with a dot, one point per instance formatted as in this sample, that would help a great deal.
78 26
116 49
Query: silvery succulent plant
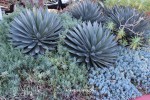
87 10
92 44
129 78
35 31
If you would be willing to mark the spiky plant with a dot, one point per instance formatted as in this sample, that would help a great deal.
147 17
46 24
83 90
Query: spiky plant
130 20
135 42
87 10
110 25
35 31
92 44
120 34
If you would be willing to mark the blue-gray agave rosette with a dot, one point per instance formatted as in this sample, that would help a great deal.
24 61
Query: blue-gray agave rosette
92 44
35 31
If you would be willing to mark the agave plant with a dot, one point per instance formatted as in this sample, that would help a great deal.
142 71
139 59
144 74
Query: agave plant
129 23
87 10
35 31
92 44
130 20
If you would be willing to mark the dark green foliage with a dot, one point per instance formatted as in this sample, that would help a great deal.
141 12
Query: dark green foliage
92 44
35 31
133 23
87 10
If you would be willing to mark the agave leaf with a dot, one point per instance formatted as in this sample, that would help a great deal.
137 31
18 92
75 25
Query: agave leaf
18 33
37 49
14 26
32 45
18 22
21 45
74 40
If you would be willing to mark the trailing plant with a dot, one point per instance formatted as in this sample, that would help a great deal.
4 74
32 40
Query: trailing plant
87 10
92 44
35 31
129 23
130 78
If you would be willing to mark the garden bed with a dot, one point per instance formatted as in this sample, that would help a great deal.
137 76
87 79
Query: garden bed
85 52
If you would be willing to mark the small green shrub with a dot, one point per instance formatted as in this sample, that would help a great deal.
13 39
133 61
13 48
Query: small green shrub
10 16
68 21
56 71
4 25
64 73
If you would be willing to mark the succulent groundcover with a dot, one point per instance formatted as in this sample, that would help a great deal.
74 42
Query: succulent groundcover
88 51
